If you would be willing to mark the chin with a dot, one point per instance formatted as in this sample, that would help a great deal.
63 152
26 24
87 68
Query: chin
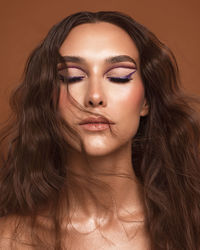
98 149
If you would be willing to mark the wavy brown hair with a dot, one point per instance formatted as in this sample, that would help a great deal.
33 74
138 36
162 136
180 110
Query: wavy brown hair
165 149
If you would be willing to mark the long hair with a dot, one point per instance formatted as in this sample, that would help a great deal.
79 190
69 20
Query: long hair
165 150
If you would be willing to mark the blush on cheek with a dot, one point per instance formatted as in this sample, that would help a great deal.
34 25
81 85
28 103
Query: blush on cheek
135 99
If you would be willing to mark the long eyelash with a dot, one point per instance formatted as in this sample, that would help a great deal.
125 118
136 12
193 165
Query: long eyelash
117 79
112 79
122 79
76 79
70 79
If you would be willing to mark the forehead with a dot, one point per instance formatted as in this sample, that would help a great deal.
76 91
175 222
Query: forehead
97 40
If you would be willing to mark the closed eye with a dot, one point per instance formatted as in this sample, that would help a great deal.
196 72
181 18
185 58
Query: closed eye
124 79
77 79
70 79
119 79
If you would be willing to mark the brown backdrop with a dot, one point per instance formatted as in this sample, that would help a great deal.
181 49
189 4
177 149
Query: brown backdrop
24 24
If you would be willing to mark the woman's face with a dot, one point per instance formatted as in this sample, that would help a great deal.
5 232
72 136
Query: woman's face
99 56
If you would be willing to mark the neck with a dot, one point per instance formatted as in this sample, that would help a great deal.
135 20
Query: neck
111 179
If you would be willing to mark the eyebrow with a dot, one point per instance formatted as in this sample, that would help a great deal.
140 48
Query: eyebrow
111 60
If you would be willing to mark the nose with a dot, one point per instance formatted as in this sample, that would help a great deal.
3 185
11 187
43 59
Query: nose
95 95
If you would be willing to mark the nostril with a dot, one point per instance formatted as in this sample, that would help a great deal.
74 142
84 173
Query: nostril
90 103
94 103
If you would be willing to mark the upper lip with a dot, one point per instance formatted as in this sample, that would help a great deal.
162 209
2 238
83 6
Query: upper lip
96 120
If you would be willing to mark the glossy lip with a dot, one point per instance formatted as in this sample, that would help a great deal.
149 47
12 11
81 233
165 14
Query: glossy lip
95 126
93 120
95 123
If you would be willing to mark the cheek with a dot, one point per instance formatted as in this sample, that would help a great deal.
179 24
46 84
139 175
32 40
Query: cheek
128 101
68 96
127 107
135 100
125 101
64 104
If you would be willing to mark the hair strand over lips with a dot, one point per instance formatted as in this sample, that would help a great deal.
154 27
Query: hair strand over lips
165 149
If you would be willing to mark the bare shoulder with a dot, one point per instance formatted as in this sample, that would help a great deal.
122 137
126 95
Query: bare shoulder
7 227
11 236
18 233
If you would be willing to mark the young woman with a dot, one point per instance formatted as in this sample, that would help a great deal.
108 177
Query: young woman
103 150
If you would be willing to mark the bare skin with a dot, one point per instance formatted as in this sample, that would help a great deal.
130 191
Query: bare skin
122 225
124 104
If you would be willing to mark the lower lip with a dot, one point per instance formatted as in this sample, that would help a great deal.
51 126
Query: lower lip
95 126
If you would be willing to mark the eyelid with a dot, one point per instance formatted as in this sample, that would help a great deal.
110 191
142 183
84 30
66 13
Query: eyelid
125 67
122 77
126 76
66 67
75 67
61 67
129 75
114 67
